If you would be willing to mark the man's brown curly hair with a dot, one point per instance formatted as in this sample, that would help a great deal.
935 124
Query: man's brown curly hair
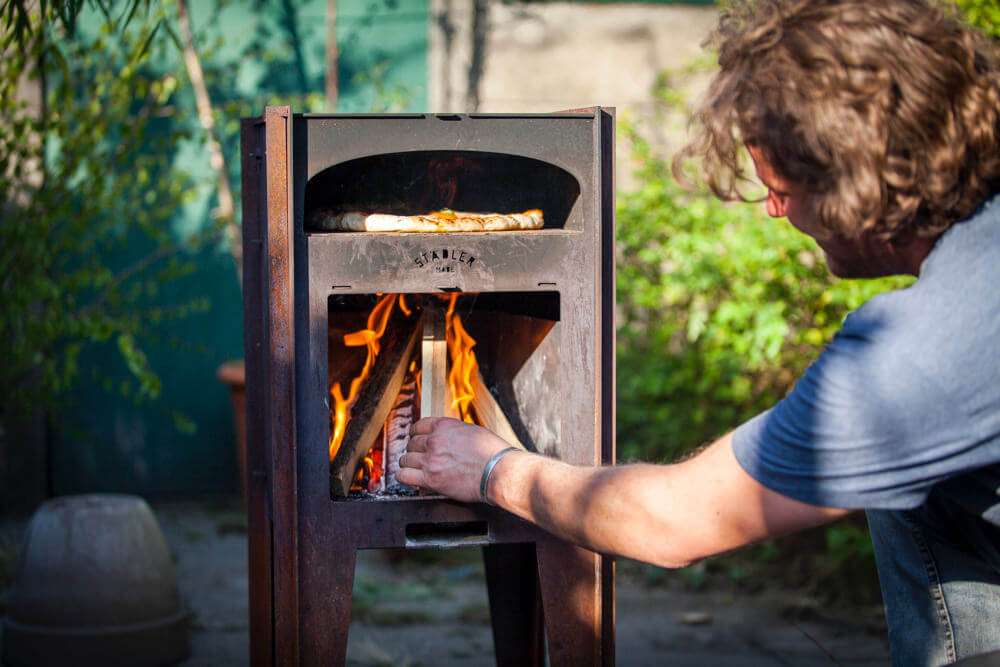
886 111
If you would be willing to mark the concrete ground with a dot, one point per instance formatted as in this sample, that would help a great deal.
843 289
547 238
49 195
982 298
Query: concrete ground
430 608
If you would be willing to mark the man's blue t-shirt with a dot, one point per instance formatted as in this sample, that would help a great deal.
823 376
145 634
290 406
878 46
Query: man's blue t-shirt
905 399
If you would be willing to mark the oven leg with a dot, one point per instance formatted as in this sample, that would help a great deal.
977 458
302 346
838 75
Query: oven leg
515 604
571 585
337 612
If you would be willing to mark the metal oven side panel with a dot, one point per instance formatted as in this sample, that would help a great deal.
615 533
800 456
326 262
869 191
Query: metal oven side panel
281 385
254 345
607 346
269 349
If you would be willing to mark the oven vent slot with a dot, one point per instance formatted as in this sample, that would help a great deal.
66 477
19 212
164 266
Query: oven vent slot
454 534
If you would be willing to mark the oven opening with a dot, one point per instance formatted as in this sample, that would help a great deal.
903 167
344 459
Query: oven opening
491 359
418 183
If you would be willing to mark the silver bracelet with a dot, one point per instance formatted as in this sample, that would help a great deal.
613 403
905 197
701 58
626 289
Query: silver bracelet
488 470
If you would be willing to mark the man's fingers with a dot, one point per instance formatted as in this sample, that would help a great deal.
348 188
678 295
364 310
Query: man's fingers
425 425
411 460
417 443
411 477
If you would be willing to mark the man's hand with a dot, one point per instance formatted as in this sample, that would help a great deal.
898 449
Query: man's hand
668 515
448 456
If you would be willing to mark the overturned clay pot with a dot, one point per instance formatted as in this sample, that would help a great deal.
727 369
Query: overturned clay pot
94 585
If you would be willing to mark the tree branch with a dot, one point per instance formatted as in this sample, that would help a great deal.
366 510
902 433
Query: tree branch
225 214
332 56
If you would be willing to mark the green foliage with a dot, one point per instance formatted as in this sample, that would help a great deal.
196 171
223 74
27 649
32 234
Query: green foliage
22 27
984 14
849 543
695 576
720 308
386 97
84 173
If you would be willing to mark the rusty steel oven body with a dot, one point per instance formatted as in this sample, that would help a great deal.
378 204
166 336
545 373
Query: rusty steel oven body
560 391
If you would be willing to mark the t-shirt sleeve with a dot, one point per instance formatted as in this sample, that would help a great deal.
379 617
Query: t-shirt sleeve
864 427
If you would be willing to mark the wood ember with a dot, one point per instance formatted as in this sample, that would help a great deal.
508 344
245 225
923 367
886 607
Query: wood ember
397 431
376 482
375 401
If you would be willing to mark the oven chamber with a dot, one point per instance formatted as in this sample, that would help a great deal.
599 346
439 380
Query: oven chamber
542 305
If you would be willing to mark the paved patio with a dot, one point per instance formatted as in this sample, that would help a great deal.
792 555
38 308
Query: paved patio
429 608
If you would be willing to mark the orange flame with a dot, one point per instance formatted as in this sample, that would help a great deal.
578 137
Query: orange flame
364 475
461 374
463 363
369 337
416 377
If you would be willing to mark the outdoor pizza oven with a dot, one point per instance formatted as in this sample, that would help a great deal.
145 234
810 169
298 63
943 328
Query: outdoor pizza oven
352 336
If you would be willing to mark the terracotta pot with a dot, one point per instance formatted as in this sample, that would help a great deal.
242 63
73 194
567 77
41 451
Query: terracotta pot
233 375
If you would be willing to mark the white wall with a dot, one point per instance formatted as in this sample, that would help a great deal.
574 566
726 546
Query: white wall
548 57
553 56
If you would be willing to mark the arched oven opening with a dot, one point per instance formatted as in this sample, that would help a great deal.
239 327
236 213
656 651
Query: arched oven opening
419 182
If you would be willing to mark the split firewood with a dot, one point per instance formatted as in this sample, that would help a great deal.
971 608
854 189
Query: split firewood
434 398
375 401
490 413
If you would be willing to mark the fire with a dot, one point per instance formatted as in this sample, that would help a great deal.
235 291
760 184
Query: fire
368 337
463 364
366 472
460 378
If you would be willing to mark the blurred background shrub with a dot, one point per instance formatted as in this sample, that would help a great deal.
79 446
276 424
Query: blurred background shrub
86 169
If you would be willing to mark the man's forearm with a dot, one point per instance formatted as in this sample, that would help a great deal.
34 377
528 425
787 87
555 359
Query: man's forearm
667 515
591 507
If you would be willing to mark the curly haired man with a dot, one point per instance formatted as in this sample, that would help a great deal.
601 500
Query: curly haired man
875 127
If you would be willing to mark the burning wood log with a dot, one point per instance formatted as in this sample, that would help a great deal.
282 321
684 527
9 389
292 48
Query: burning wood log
375 401
490 414
397 431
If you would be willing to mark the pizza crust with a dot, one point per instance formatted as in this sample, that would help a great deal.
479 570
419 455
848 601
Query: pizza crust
438 221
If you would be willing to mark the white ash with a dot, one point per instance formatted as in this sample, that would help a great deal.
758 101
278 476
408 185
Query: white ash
397 432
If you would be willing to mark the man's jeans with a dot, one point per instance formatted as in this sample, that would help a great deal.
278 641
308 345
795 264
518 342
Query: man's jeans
942 599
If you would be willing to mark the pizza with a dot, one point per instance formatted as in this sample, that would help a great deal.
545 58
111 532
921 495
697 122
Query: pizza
444 220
